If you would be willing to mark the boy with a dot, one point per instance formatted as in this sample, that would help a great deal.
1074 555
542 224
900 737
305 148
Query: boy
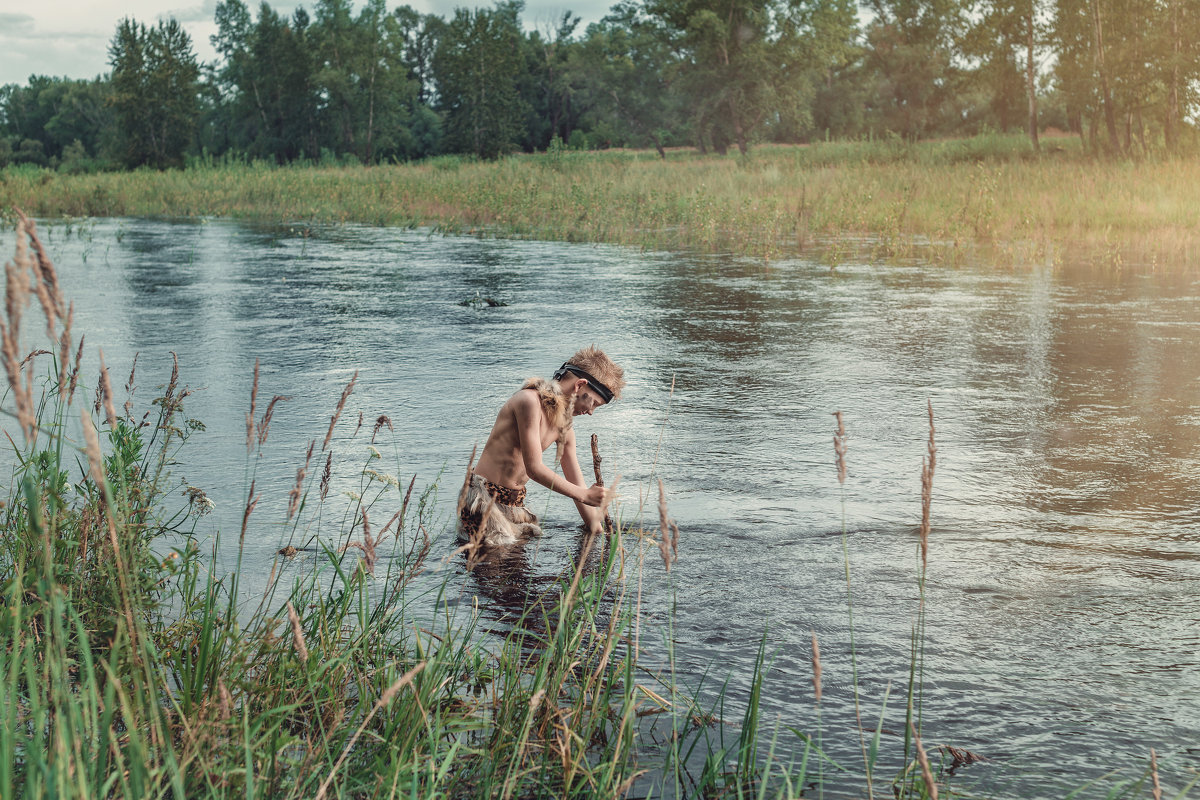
491 506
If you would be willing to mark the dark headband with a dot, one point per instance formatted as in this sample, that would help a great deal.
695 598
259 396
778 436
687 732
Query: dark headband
602 390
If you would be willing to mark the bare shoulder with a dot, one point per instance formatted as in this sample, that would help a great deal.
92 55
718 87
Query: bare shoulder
523 400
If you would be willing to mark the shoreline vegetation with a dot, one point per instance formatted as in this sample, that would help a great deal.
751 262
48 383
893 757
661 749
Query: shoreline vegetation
986 199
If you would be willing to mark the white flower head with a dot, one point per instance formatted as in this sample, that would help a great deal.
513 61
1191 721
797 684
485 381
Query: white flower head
355 496
374 451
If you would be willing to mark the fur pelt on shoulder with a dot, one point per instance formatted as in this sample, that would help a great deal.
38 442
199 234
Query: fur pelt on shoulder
556 407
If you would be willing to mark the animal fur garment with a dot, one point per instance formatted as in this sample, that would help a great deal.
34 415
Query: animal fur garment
556 407
483 516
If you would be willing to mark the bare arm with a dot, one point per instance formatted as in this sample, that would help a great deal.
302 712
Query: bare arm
529 412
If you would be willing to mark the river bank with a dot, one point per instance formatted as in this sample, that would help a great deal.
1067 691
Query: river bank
950 202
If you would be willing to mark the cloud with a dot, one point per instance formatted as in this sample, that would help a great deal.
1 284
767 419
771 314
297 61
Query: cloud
205 12
15 23
21 58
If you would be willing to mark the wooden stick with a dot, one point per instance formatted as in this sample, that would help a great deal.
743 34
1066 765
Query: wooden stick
596 460
609 525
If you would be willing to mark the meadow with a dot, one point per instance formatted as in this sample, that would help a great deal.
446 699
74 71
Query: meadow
988 198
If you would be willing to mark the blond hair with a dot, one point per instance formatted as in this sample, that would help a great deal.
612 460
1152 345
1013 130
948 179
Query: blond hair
593 360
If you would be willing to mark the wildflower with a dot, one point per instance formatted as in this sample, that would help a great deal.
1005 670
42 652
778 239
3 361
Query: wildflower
374 451
198 501
355 496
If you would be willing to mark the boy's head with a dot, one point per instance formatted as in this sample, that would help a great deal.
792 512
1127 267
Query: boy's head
597 369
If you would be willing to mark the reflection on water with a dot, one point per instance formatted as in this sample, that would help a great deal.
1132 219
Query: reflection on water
1061 636
513 589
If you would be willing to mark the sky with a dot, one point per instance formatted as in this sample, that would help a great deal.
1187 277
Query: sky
69 38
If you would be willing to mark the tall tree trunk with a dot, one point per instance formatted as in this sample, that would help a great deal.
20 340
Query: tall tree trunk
1030 84
1110 117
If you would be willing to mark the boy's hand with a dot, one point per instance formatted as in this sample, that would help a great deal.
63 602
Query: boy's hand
594 496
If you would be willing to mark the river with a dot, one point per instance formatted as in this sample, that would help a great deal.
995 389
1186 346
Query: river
1061 626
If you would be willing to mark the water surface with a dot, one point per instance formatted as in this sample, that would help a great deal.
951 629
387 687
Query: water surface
1062 633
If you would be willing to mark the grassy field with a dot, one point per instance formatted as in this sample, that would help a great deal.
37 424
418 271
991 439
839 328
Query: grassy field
954 201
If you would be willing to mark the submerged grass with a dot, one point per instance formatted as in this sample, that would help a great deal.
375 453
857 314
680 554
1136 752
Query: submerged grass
953 201
131 668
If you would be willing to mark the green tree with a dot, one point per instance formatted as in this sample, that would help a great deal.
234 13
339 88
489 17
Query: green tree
155 92
1128 68
268 94
1179 64
336 42
57 112
476 67
741 63
621 76
911 47
1006 37
546 83
829 34
416 36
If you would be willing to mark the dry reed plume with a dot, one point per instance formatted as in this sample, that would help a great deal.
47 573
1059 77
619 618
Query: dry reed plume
326 474
816 667
839 447
251 503
92 446
250 413
17 286
264 424
367 545
380 422
106 394
928 464
297 632
295 494
338 411
64 354
129 389
668 543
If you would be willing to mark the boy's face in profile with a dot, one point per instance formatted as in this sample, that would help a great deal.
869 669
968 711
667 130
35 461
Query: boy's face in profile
587 399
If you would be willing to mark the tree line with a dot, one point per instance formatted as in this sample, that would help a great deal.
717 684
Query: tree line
378 85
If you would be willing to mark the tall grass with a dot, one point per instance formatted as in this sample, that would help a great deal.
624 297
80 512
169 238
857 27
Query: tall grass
984 198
